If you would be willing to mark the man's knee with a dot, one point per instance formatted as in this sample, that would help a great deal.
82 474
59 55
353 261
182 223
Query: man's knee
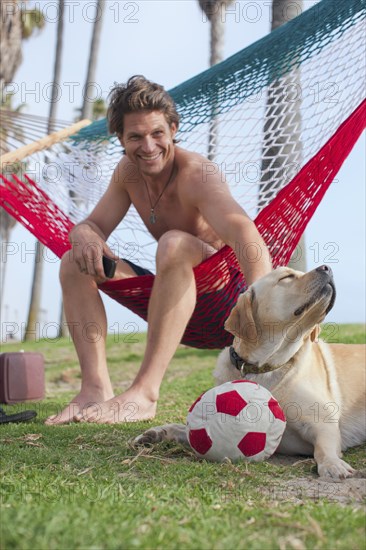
68 266
178 247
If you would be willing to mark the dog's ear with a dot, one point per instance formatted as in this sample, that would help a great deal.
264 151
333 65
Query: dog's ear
240 322
315 333
232 323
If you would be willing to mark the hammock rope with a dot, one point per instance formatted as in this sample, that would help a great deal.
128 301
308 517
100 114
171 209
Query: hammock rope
19 129
304 79
219 279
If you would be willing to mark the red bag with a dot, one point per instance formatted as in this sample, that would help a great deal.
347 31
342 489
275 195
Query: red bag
21 377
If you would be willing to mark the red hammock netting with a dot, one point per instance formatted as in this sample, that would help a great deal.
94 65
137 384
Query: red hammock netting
219 279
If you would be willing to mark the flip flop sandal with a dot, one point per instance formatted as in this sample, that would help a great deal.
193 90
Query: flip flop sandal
17 417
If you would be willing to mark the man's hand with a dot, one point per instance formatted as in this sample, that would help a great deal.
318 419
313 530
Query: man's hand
88 247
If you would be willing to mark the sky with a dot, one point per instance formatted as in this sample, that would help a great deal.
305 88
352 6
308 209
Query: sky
168 42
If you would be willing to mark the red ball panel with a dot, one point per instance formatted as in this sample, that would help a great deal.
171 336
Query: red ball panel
200 441
252 443
276 409
230 403
245 382
194 404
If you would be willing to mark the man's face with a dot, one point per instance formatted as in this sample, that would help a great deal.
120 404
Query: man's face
148 140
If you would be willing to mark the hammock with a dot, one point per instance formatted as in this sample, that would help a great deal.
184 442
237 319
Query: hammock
305 80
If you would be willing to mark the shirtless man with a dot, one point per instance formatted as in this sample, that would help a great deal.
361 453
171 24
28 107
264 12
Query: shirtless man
185 207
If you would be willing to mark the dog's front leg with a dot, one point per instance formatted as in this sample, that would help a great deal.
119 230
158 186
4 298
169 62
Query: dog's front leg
327 453
169 432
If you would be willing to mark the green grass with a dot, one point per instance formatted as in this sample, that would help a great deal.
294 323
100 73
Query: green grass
83 486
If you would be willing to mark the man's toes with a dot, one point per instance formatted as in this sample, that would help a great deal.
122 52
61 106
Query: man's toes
79 417
91 412
96 420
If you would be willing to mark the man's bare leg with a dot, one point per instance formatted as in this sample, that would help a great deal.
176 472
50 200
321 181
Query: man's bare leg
171 305
87 322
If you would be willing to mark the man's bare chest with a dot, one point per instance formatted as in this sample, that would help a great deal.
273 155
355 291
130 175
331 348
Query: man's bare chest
162 213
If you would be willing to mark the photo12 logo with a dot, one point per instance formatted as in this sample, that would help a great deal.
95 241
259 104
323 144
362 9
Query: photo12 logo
73 11
247 12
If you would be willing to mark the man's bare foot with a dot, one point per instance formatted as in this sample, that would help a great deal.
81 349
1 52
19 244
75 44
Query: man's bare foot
90 399
130 406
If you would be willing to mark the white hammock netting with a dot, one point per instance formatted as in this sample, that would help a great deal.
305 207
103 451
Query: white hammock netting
267 111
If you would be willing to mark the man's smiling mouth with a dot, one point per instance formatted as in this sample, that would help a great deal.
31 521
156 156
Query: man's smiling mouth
150 157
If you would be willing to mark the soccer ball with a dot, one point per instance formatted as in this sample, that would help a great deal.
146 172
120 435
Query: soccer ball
239 420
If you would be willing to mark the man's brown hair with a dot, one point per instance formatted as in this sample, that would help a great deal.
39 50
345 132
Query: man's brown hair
139 94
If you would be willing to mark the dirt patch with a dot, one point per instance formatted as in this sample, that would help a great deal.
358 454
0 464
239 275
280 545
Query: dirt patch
347 491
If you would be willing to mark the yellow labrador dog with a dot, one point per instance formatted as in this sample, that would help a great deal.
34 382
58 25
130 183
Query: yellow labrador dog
321 387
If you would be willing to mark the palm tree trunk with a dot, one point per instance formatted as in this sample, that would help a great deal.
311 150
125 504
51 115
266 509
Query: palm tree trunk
282 148
10 59
35 303
216 55
86 112
214 11
10 42
32 332
87 109
7 223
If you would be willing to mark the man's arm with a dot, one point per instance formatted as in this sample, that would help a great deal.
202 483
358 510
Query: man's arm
88 238
228 219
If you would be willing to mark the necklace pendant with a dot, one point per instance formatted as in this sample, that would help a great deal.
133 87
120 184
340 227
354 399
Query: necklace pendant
152 216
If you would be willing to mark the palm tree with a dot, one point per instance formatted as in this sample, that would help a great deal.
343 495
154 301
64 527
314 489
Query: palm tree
7 222
282 119
87 110
213 9
15 25
10 43
34 307
91 109
9 129
98 111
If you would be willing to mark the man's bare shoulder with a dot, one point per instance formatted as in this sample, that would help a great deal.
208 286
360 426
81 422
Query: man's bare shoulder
197 175
192 166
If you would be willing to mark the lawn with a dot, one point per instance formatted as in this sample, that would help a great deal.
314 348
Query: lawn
84 486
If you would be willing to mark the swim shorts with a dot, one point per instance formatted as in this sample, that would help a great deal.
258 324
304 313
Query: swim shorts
137 269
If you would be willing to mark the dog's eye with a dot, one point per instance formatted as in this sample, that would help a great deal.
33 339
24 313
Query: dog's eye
290 276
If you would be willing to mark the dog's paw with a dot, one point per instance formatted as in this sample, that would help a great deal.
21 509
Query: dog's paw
150 437
335 470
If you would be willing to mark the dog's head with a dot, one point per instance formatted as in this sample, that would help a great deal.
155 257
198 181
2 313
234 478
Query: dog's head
280 310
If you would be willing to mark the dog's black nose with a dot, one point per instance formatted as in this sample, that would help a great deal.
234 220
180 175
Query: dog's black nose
325 269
